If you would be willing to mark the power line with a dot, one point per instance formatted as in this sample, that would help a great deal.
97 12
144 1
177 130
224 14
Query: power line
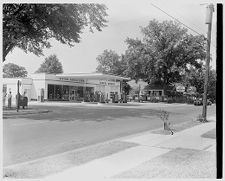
199 29
176 19
180 22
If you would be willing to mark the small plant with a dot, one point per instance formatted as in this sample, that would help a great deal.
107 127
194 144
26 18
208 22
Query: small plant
164 116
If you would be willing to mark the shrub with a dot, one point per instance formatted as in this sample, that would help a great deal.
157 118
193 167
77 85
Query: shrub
164 116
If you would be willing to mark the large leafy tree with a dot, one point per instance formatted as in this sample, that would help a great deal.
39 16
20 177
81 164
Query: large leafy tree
110 62
51 65
11 70
164 54
30 26
197 78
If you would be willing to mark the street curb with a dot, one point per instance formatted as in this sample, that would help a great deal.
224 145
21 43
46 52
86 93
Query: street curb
23 112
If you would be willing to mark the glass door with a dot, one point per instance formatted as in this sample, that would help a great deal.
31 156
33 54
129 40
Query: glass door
72 93
65 93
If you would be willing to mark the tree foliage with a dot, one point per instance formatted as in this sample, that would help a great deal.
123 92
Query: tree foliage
164 54
197 78
11 70
51 65
109 62
30 26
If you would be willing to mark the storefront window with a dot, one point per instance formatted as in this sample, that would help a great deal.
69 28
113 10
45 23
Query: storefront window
58 92
65 95
55 92
72 93
65 92
89 94
80 92
51 90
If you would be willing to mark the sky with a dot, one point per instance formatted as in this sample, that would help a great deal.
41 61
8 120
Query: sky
124 20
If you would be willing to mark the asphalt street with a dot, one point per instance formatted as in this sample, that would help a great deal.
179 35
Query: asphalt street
68 127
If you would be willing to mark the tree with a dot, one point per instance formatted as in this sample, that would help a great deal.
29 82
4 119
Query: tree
197 78
110 62
30 26
11 70
164 54
51 65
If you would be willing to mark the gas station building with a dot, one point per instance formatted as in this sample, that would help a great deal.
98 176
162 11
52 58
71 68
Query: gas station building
64 87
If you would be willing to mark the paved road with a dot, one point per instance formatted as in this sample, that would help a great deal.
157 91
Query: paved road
68 126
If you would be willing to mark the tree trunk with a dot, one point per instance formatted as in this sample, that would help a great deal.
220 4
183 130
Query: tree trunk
166 126
7 49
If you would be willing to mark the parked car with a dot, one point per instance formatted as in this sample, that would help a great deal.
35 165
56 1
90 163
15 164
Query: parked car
199 102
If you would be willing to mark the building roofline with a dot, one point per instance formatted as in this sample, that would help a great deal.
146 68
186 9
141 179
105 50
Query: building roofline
80 75
17 78
92 75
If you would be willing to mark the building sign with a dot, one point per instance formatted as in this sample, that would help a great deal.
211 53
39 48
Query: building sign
110 83
180 88
191 89
71 79
102 82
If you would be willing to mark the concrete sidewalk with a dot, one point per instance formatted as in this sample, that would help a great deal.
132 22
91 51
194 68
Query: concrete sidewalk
151 146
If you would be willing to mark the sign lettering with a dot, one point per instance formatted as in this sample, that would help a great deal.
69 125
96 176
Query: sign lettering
180 88
71 79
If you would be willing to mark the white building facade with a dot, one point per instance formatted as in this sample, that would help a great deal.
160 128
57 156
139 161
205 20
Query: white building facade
64 87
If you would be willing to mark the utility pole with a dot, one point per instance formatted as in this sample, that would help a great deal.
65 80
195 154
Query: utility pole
209 12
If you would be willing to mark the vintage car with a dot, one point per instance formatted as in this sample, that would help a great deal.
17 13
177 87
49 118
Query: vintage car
199 102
